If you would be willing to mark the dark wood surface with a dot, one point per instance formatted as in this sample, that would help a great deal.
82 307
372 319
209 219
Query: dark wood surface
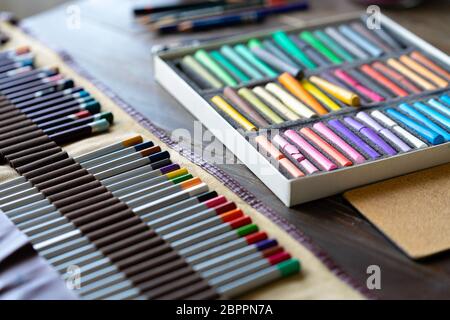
117 52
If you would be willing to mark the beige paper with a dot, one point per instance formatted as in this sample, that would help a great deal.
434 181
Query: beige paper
413 210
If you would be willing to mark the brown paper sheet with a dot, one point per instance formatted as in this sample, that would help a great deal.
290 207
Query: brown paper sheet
413 210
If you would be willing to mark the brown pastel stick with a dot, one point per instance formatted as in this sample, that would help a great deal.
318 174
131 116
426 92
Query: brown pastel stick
24 145
16 125
158 255
234 97
134 249
153 268
69 185
209 294
170 287
108 242
129 240
7 108
88 201
96 216
13 120
150 269
22 138
49 168
75 199
30 151
187 291
106 221
114 228
56 173
18 132
74 192
42 162
62 179
102 202
10 114
18 162
166 278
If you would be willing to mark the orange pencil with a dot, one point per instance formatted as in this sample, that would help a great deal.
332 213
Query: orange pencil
396 76
424 71
325 146
410 74
371 72
190 183
429 64
301 93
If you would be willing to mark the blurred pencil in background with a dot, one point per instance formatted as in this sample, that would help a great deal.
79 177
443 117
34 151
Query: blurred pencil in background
189 16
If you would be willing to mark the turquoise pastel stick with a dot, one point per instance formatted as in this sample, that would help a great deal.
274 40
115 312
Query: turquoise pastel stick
229 52
446 99
428 134
227 64
440 106
413 113
333 45
250 57
443 120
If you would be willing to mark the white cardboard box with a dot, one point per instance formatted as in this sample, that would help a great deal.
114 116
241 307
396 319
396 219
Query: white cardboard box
296 191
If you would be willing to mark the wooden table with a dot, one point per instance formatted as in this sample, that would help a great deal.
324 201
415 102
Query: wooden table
118 52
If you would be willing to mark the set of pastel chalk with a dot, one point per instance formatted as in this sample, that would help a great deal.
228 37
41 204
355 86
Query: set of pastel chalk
317 110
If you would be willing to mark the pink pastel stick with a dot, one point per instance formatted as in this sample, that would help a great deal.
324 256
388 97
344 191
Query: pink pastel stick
344 76
295 153
334 138
309 167
309 149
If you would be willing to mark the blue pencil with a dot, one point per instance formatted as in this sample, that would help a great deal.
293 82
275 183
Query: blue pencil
226 20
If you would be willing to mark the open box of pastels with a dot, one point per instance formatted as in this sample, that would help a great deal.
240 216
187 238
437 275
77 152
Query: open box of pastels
321 109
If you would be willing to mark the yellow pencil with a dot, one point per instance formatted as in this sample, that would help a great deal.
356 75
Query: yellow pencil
319 95
233 113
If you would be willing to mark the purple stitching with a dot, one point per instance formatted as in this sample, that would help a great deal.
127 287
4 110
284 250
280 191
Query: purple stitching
232 184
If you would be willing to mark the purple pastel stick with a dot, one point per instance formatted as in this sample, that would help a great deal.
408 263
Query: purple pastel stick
388 134
371 135
169 168
338 126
